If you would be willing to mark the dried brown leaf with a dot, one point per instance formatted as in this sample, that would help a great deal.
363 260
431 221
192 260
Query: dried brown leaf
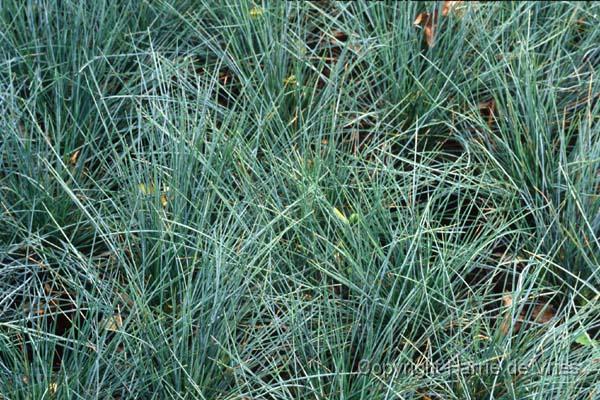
339 35
542 313
428 22
449 6
487 109
114 322
74 157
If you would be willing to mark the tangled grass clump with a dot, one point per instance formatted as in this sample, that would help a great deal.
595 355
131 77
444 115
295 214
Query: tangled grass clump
283 200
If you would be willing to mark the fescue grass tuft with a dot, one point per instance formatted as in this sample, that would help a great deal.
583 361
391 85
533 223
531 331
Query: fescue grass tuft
285 200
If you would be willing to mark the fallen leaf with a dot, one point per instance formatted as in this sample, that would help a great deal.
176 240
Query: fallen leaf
151 189
487 109
542 313
449 6
506 322
354 218
74 157
580 25
585 340
48 289
146 189
53 387
256 12
114 322
290 81
164 196
340 215
428 23
340 36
